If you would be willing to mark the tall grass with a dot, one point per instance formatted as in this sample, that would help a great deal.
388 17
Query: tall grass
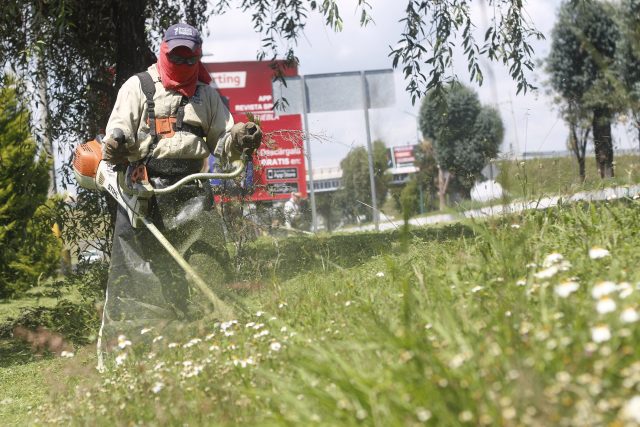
501 328
559 175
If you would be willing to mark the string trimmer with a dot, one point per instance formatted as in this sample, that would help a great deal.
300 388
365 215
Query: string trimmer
130 187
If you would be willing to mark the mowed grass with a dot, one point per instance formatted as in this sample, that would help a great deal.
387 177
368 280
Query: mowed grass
533 321
27 381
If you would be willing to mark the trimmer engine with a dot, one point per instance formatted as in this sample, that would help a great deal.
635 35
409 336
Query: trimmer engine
86 161
93 173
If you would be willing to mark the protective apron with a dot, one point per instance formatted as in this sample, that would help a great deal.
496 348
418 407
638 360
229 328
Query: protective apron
146 287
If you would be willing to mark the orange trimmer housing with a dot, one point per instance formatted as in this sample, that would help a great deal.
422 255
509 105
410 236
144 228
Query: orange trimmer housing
86 160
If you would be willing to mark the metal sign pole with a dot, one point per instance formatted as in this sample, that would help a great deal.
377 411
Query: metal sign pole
311 190
374 202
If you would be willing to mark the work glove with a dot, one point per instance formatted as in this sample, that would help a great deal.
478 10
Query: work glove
246 136
115 149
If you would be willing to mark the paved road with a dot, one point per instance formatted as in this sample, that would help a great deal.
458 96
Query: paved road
514 207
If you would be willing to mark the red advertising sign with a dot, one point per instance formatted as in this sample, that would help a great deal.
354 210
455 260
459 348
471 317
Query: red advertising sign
403 155
279 166
280 162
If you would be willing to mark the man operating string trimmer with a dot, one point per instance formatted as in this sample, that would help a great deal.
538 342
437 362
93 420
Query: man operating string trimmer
169 119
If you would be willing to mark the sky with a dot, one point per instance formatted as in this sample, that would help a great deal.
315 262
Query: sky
531 124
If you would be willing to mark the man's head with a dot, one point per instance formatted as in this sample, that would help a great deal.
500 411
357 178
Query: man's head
182 35
296 196
179 60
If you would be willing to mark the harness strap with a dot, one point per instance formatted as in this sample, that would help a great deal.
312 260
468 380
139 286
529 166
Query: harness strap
180 114
149 90
186 127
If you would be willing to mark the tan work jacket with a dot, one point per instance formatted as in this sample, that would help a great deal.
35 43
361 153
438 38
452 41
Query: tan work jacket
205 110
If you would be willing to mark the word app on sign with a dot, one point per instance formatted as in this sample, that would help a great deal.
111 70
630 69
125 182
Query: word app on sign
229 79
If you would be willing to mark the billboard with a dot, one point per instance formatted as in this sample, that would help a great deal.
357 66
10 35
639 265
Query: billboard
403 155
336 91
278 167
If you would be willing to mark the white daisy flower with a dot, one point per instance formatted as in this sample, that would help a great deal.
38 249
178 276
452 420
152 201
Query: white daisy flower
261 334
226 325
243 363
275 346
624 289
145 330
157 387
457 361
476 289
597 252
629 315
552 259
605 305
123 342
191 343
521 282
631 410
565 289
380 274
423 414
600 333
158 338
348 303
515 226
67 354
602 289
121 358
547 273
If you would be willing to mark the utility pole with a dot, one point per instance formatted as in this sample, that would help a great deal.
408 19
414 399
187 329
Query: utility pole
307 140
374 202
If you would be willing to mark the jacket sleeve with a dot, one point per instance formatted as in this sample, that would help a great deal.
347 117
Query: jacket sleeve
127 112
220 123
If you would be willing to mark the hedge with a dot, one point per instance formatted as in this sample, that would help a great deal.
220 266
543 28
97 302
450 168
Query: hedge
285 258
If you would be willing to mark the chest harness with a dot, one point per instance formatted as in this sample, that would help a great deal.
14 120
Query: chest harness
164 127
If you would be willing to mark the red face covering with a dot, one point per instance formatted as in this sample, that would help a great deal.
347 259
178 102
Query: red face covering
181 77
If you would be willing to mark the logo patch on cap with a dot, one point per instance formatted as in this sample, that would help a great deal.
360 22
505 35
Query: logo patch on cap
184 31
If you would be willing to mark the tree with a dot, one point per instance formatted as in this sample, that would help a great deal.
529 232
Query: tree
581 65
579 121
28 245
629 57
326 207
465 135
355 194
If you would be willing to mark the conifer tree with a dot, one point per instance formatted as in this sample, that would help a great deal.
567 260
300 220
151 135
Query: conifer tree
28 246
